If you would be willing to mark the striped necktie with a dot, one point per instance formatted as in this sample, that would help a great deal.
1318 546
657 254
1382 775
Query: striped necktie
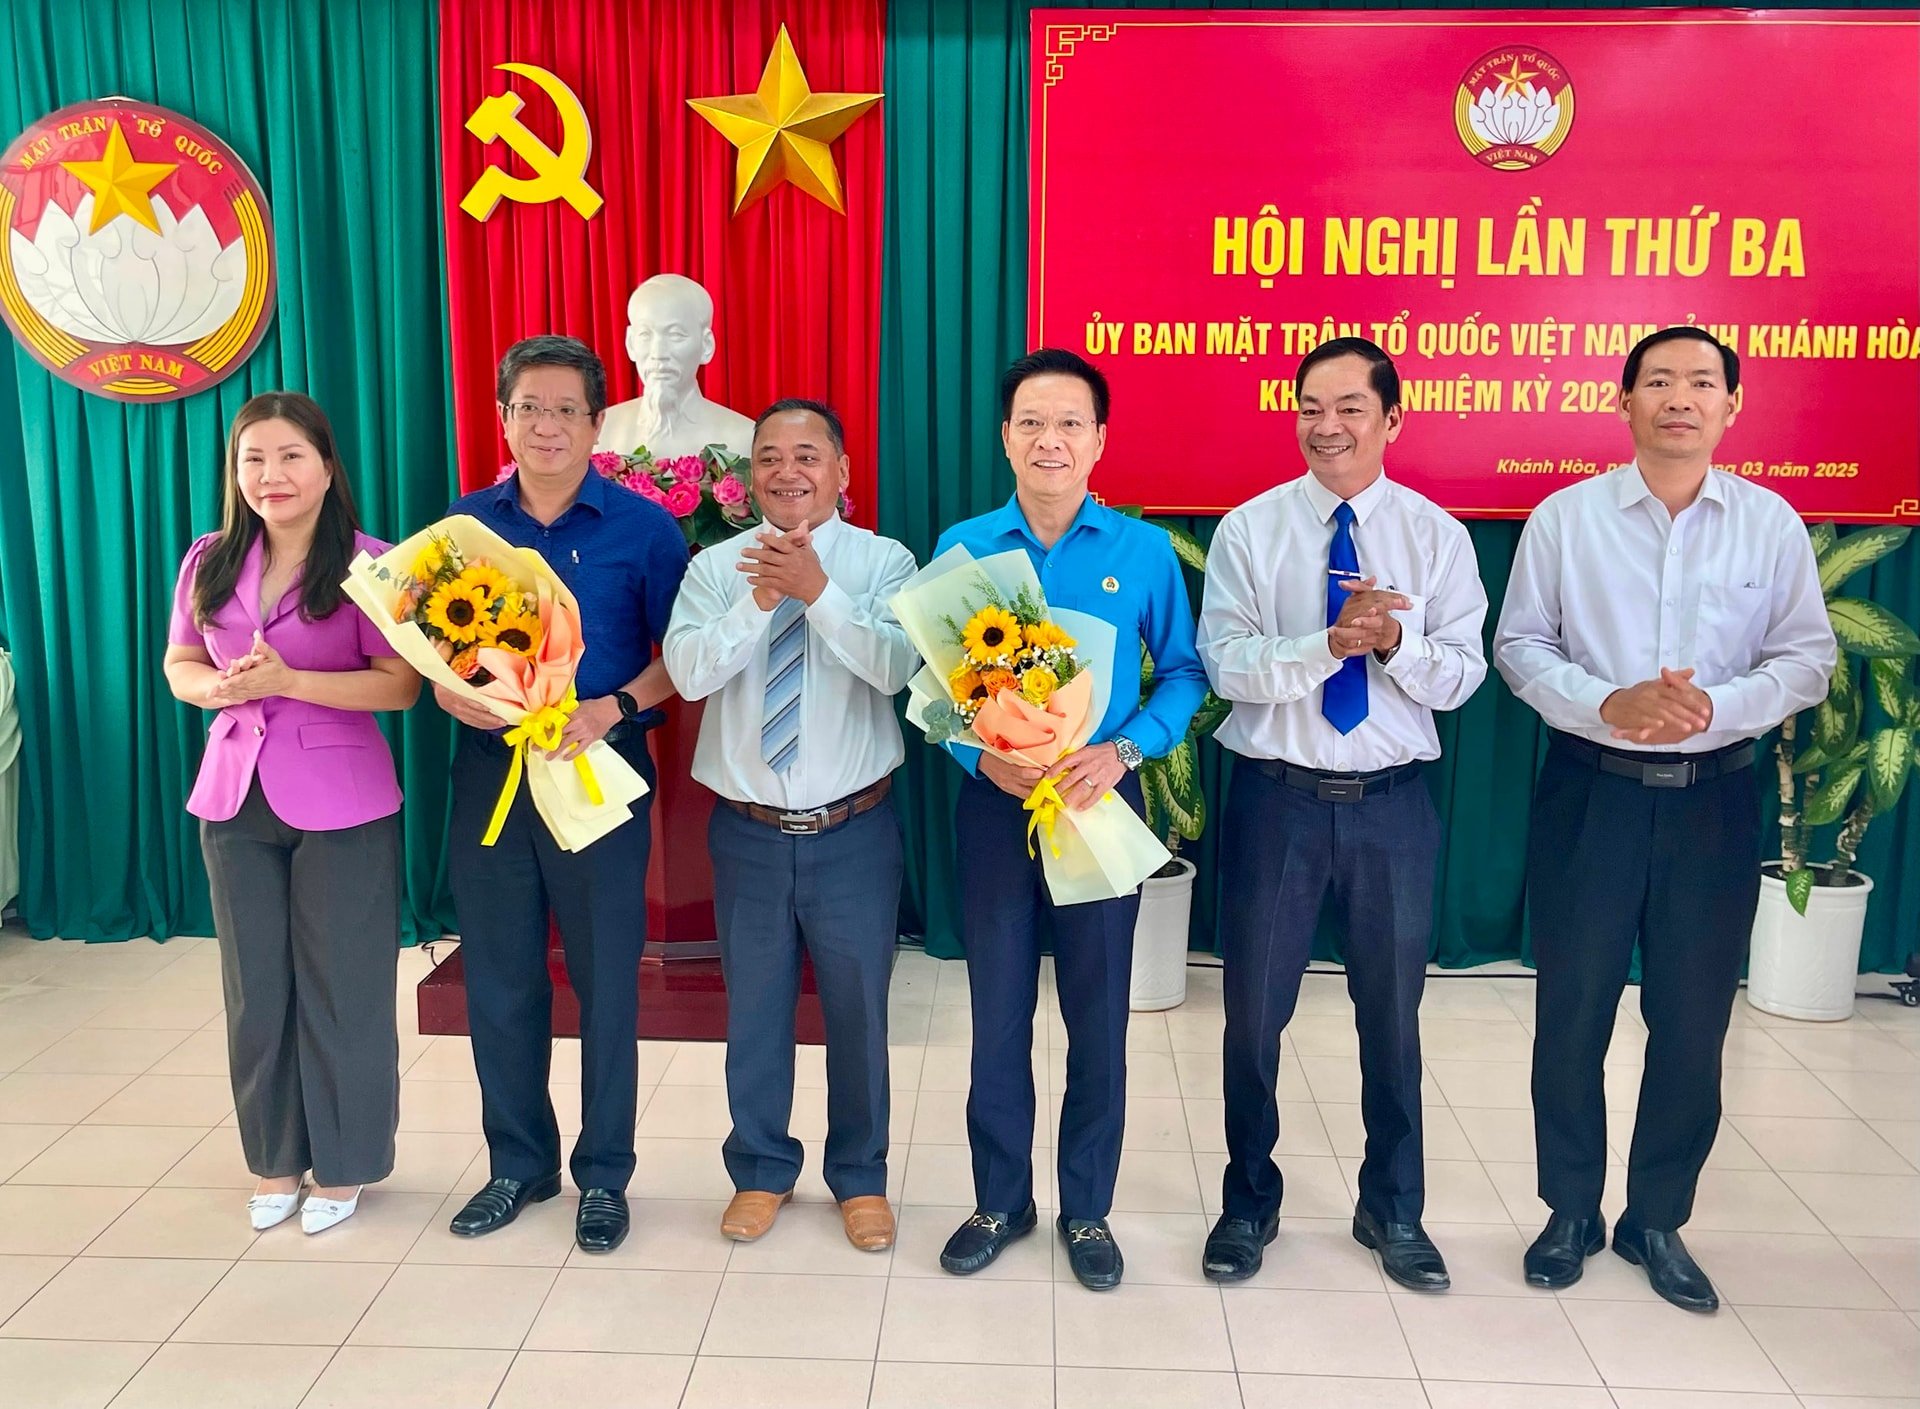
786 673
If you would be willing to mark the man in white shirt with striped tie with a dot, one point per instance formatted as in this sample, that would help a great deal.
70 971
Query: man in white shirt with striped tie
1660 617
1342 609
785 633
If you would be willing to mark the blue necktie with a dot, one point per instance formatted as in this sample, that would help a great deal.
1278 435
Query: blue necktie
786 673
1343 699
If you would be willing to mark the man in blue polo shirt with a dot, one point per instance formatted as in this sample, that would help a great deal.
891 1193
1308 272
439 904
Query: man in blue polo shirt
1089 559
622 557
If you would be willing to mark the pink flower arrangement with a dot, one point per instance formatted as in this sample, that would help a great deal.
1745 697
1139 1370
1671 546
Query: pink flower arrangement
682 499
706 493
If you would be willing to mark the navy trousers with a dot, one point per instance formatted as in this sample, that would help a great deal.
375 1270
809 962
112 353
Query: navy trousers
837 895
1286 853
1608 862
502 894
1005 897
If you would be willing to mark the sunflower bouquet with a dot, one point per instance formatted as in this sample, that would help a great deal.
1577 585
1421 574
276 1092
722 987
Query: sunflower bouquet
1009 645
494 623
1005 672
464 607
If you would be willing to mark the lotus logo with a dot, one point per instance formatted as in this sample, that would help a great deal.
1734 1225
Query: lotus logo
136 261
1514 108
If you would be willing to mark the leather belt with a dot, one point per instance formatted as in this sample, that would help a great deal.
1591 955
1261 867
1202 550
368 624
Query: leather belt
817 819
1662 772
1337 787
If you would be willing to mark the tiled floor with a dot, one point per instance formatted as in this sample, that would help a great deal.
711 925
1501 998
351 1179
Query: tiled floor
128 1275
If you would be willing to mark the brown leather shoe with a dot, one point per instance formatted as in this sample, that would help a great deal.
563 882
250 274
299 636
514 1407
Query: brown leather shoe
751 1214
869 1222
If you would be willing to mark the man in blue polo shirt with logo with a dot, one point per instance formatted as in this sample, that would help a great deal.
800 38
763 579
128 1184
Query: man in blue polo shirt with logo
623 558
1090 559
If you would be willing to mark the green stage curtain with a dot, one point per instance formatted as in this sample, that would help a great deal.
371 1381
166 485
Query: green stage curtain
333 107
954 314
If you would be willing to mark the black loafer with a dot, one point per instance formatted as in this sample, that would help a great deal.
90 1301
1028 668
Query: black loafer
1237 1246
497 1205
1092 1252
602 1222
1670 1268
1407 1254
984 1236
1559 1255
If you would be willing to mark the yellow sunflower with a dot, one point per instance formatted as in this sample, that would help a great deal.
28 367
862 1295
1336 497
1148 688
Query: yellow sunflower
964 684
1039 684
457 613
516 631
994 681
991 633
490 583
1045 636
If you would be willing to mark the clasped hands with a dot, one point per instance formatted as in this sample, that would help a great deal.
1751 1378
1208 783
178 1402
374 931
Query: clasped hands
781 565
1366 621
258 675
1663 711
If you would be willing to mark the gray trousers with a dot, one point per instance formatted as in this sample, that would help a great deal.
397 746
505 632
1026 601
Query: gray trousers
309 927
837 896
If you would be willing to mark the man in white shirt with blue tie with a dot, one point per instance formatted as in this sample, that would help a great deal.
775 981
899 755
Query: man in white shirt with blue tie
786 634
1660 617
1342 609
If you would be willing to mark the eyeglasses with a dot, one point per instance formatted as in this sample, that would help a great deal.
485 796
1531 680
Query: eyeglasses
528 412
1072 427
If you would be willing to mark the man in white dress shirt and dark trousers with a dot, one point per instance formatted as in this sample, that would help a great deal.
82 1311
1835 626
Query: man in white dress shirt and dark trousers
1660 617
786 634
1341 610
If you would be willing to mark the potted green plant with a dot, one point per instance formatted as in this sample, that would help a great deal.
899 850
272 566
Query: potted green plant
1176 812
1859 752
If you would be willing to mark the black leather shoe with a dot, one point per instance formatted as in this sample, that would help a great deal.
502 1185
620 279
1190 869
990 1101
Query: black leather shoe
1670 1268
1092 1252
984 1236
500 1203
1559 1255
1406 1252
602 1222
1237 1246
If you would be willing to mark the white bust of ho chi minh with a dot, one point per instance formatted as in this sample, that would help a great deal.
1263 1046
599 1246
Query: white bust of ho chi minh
669 339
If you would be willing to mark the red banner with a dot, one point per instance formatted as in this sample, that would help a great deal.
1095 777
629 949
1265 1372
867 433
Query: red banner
796 287
1505 202
570 230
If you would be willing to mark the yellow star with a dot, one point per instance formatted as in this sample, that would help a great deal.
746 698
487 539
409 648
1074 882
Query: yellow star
784 130
1513 78
121 185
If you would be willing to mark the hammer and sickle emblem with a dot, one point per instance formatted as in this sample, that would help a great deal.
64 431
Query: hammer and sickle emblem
560 175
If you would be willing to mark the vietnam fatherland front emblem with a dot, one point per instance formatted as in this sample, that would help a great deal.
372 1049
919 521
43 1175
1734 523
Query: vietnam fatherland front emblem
1514 107
136 252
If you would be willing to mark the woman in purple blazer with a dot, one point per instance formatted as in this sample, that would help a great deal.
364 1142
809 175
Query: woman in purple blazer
299 812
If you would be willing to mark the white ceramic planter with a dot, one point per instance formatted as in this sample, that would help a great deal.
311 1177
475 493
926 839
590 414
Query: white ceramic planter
1804 966
1160 940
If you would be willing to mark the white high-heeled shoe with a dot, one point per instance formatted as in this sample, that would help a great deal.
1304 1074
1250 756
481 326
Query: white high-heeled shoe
264 1211
320 1214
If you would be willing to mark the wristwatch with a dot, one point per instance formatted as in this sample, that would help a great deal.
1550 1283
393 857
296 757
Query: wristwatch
1129 751
629 706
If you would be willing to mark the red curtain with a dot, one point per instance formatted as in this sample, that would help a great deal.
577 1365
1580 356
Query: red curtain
796 287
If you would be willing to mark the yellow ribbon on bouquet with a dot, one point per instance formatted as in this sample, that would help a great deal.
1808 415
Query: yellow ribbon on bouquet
541 728
1045 804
